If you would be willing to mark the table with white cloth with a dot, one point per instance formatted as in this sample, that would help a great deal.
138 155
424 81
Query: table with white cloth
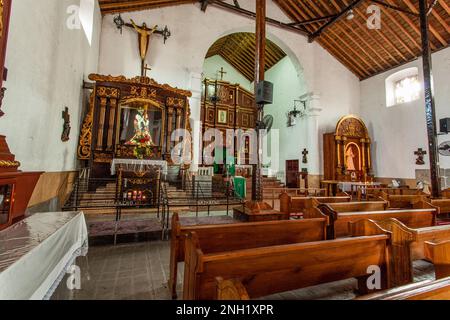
137 165
357 188
36 253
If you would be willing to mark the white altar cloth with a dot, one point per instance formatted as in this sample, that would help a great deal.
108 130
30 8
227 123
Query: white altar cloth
36 252
137 165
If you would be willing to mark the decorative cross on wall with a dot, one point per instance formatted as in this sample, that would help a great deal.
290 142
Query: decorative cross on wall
420 153
222 73
305 155
146 68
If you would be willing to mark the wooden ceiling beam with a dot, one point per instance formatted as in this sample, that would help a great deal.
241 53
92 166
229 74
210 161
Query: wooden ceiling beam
323 28
344 43
432 29
250 14
360 39
395 8
414 26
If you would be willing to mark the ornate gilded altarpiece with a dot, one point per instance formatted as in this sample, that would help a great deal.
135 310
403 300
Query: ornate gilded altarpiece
128 115
346 153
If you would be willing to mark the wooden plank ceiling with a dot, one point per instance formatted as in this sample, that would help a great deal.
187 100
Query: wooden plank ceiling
238 49
116 6
366 52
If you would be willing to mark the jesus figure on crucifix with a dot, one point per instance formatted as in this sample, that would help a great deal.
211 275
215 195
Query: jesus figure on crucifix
144 34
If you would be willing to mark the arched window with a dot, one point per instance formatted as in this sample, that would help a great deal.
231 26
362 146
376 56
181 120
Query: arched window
402 87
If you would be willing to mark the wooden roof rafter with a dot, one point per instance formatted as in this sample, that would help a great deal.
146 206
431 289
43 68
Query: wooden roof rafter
238 49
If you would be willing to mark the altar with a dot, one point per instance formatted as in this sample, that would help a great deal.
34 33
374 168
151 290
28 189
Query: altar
138 181
132 122
346 152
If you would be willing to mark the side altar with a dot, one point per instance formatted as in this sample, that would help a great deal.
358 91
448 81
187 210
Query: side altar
346 152
131 119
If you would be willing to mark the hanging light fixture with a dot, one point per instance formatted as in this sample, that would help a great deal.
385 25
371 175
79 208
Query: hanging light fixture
350 15
296 113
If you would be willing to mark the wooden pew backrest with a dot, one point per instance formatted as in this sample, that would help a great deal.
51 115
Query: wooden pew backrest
227 237
442 204
287 266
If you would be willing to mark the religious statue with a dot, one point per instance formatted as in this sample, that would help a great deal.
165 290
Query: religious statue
65 136
350 159
144 34
141 129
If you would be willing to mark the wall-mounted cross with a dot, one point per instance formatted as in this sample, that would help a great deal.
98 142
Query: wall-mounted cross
222 73
146 68
305 155
420 153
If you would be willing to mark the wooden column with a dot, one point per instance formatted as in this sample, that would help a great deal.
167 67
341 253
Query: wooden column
101 123
260 59
170 111
112 119
429 101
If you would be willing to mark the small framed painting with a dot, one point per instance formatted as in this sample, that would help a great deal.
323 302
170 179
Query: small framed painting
222 116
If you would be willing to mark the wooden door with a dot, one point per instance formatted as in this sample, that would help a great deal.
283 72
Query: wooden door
292 168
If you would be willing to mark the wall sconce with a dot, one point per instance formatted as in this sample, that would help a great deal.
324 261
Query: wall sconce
296 113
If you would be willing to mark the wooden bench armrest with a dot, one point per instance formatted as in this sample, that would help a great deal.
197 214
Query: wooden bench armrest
439 254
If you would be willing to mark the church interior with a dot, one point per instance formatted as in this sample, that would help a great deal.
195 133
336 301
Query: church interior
225 150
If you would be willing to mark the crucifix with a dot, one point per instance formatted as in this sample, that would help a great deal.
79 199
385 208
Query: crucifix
222 73
420 153
144 33
305 155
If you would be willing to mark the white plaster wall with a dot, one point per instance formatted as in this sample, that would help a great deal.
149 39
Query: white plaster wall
287 88
211 69
180 61
399 130
47 63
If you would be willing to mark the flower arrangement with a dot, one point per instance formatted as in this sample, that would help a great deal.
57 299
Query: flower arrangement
142 145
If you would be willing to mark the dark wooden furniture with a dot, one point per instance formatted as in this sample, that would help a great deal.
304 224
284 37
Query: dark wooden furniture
409 244
292 167
438 252
100 137
295 204
346 151
268 270
339 220
331 187
226 237
248 215
404 201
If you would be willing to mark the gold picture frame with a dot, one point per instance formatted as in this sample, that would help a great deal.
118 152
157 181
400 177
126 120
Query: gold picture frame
222 116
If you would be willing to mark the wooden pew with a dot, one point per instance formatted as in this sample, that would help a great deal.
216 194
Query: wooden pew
295 204
408 244
339 227
443 205
438 252
288 267
404 201
424 290
227 237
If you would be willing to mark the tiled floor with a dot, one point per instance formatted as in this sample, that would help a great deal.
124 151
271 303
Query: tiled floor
141 270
